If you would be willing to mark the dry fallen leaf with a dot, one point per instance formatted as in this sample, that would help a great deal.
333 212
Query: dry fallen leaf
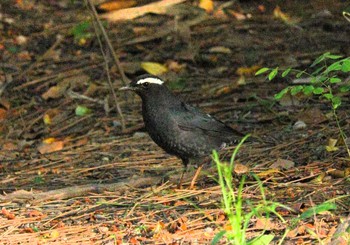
47 119
283 164
262 8
55 91
247 71
5 103
116 5
220 49
175 66
159 7
267 173
265 224
71 82
9 146
207 5
7 214
277 13
312 116
54 234
3 114
240 168
332 145
52 147
154 68
237 15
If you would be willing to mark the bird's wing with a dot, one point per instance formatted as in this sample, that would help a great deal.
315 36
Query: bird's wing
192 119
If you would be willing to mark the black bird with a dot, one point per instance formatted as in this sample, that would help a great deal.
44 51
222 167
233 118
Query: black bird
180 129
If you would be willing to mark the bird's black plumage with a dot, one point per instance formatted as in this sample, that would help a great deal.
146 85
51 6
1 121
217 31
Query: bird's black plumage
180 129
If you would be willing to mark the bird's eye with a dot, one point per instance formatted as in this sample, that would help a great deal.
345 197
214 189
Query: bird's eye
145 85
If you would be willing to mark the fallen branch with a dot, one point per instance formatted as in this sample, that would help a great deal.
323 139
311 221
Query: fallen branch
22 196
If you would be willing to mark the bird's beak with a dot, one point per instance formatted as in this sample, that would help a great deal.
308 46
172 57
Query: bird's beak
126 88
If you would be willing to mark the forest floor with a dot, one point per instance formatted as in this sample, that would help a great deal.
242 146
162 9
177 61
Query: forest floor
72 176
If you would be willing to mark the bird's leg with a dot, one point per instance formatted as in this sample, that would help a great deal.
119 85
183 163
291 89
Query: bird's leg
185 163
195 177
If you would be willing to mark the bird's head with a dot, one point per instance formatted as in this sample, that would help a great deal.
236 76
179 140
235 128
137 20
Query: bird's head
146 85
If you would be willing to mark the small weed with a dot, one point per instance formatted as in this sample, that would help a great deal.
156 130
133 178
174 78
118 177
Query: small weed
324 80
233 205
81 32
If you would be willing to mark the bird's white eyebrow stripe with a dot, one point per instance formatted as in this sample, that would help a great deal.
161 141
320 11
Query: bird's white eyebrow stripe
150 80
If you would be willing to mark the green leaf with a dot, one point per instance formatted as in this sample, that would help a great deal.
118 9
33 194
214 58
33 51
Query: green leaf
318 90
307 90
261 71
334 67
217 237
345 67
286 72
296 89
36 229
328 96
313 80
345 88
322 78
273 73
13 49
177 84
333 57
81 30
319 59
279 95
263 240
317 209
82 110
318 71
298 75
336 102
38 180
334 80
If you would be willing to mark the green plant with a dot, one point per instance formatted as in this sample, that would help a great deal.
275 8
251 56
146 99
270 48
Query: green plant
325 80
233 205
81 31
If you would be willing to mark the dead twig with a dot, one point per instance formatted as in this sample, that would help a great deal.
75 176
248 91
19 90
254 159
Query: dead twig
99 26
75 191
125 80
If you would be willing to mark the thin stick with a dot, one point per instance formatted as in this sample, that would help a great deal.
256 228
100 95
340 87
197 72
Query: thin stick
97 25
125 80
